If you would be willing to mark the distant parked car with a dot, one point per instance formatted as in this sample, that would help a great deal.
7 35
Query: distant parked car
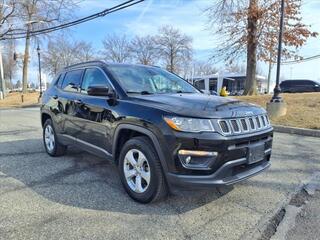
296 86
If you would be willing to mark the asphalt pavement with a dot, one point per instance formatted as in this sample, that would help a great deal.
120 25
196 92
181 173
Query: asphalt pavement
79 196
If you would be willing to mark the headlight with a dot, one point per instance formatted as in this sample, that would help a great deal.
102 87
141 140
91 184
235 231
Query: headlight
189 124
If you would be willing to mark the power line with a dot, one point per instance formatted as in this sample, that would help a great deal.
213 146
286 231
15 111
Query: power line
302 60
24 34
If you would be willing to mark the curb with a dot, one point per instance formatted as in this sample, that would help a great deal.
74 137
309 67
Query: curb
299 131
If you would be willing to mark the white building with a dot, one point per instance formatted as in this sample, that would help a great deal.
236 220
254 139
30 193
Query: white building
234 82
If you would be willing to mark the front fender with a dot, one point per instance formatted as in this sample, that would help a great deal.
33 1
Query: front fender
146 132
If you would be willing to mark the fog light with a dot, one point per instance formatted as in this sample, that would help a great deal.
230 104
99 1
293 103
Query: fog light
188 159
199 160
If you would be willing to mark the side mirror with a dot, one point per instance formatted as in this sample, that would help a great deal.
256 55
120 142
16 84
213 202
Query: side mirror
99 91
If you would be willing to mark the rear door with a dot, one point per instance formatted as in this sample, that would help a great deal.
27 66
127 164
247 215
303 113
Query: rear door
95 112
302 86
69 97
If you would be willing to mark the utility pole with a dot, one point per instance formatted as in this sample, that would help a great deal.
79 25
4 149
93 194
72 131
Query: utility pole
2 81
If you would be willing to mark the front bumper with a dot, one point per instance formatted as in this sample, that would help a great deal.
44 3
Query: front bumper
229 173
230 167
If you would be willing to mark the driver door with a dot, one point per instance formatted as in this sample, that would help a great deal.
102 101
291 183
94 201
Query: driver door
95 112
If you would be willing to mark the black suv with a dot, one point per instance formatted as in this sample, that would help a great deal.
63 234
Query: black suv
299 86
158 129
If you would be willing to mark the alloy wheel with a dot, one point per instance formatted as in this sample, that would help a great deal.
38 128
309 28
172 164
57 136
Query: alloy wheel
136 170
49 138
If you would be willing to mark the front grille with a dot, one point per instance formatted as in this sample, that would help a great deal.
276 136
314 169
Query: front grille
258 122
224 126
263 121
252 126
244 125
235 126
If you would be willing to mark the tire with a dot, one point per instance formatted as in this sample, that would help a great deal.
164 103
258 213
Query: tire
142 148
54 149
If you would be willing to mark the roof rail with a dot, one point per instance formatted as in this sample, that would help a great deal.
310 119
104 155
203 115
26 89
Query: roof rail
85 63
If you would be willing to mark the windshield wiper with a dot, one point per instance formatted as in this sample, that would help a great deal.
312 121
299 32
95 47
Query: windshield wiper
142 92
179 91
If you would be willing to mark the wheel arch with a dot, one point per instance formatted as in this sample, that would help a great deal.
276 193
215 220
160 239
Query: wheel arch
44 118
132 131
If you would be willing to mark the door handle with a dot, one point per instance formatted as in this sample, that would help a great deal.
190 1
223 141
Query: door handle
55 97
78 101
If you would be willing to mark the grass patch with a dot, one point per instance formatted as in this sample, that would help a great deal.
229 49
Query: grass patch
303 109
14 99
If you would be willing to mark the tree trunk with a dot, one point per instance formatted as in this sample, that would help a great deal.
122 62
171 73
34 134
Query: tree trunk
251 83
269 76
171 61
26 62
2 81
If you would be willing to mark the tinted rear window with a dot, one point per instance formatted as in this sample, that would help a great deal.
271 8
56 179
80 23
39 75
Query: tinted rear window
286 83
72 80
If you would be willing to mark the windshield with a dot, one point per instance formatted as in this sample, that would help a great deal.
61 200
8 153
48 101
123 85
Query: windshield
149 80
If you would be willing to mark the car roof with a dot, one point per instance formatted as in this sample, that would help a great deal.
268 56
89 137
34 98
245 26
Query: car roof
293 80
101 62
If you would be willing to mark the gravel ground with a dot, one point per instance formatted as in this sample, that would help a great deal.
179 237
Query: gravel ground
79 196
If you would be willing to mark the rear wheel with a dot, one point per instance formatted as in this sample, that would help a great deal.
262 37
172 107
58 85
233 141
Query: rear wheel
140 171
51 143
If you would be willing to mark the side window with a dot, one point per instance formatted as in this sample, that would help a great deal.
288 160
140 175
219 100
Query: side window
72 80
93 77
308 83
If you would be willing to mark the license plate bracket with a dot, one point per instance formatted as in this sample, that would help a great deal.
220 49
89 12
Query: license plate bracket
255 153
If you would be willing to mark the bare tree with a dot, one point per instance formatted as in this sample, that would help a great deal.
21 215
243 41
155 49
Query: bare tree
36 14
143 50
204 68
7 14
62 52
116 48
84 51
236 68
9 64
174 48
251 27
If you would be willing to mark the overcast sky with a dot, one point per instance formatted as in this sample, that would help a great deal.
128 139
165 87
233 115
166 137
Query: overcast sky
187 15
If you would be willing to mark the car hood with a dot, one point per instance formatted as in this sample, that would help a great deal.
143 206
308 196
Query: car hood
199 105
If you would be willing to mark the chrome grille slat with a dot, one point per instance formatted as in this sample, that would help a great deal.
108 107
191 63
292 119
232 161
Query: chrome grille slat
244 124
224 126
235 126
263 121
258 122
252 125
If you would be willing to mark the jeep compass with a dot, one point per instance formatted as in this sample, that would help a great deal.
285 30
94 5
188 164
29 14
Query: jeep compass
158 129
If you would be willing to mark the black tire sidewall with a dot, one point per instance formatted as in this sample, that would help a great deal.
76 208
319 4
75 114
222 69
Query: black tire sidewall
155 176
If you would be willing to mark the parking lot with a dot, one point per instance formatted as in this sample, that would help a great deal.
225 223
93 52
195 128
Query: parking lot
79 196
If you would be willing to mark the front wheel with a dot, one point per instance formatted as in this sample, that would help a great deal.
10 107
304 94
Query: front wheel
141 172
